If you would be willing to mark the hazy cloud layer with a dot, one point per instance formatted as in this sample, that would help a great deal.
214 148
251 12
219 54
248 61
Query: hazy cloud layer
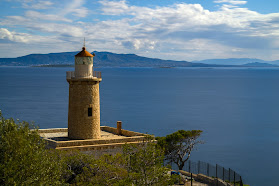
234 2
180 31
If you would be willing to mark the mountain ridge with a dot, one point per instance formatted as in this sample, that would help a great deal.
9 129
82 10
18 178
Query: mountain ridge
236 61
109 59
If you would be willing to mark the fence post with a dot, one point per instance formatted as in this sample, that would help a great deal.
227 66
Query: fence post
199 166
241 183
191 179
223 174
229 175
216 174
234 178
216 171
207 169
189 165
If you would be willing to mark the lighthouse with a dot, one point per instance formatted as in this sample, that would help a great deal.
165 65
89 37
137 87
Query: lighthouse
84 98
84 132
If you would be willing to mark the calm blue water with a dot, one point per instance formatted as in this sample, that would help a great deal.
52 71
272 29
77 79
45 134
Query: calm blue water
236 108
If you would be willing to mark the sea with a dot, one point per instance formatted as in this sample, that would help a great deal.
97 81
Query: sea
236 108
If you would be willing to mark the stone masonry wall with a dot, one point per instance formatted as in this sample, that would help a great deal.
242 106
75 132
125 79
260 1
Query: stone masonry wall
83 94
124 132
206 179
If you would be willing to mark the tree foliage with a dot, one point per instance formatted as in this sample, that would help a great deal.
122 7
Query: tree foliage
24 160
85 169
23 157
137 165
145 164
179 145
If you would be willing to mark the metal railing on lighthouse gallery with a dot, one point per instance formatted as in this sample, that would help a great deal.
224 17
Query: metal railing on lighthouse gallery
71 75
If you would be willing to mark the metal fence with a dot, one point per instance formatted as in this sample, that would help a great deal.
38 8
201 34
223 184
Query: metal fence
71 74
97 74
215 171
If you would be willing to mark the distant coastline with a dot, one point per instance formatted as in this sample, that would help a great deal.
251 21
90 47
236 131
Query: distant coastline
54 65
108 59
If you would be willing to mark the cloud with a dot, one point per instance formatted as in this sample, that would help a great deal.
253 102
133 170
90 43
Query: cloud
234 2
75 8
22 1
37 4
13 36
114 7
18 37
238 30
138 44
50 17
64 8
179 31
33 4
34 24
63 29
14 44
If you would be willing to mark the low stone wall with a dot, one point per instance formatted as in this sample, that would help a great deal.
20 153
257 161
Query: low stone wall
52 130
206 179
95 146
113 130
98 150
94 141
127 133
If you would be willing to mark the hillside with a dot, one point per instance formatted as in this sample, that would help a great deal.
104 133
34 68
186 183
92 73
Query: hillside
108 59
257 64
239 61
231 61
102 59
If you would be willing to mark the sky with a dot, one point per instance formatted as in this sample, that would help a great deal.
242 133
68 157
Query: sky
167 29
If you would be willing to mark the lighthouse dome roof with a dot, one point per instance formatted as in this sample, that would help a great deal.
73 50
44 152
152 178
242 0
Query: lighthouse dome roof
84 53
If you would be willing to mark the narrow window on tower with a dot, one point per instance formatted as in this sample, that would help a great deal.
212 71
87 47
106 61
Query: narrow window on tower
89 111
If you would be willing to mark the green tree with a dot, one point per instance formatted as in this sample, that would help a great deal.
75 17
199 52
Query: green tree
24 160
74 163
138 165
144 164
106 170
85 169
179 145
23 157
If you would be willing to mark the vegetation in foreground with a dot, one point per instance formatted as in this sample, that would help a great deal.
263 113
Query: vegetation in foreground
24 160
179 145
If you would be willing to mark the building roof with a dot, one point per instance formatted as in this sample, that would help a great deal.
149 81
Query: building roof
84 53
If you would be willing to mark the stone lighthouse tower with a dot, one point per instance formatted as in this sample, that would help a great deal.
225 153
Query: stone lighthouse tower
84 98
